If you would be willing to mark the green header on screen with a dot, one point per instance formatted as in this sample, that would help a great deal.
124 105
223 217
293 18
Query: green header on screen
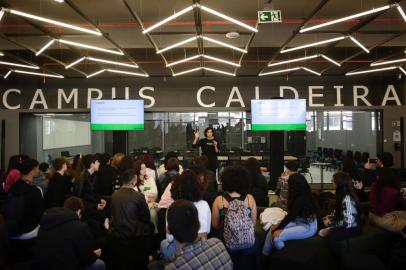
117 126
278 126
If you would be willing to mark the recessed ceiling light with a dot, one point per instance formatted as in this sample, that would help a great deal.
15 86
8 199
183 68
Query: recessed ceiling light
232 35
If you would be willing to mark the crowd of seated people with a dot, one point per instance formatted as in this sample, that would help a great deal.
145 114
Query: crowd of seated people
124 212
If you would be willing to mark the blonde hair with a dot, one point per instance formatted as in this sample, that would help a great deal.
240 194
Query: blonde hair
115 161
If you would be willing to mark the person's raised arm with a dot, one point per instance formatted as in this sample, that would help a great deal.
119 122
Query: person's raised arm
195 141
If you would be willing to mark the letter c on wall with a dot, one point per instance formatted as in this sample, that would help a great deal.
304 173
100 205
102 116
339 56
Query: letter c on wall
199 99
5 95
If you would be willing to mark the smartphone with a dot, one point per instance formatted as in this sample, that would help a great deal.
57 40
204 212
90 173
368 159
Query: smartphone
372 160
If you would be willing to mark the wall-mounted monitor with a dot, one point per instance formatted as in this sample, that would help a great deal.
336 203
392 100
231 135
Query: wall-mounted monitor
278 114
117 114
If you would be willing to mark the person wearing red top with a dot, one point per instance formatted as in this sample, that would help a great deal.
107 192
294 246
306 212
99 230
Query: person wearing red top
387 207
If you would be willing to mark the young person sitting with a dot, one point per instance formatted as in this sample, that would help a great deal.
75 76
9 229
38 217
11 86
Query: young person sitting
24 204
387 205
187 187
301 220
282 185
23 209
196 253
259 186
130 226
64 242
234 214
345 222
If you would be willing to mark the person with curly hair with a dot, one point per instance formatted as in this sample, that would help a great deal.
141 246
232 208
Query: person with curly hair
301 220
188 187
209 146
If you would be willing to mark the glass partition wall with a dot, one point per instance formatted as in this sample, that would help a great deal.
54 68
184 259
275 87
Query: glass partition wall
356 131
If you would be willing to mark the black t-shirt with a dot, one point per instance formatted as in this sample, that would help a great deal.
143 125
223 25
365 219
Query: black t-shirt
208 149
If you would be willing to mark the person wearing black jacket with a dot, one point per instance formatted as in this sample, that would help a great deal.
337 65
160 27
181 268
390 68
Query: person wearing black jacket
24 204
85 187
301 220
64 242
58 185
209 146
130 226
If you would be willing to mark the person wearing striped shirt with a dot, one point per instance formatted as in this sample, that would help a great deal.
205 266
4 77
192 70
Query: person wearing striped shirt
344 222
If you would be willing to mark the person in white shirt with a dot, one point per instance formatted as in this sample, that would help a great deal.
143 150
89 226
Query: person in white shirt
187 187
145 184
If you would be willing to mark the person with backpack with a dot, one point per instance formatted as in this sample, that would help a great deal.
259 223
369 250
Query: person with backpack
345 222
234 215
301 220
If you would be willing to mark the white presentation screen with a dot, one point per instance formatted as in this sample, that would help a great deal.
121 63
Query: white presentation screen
117 114
278 114
60 133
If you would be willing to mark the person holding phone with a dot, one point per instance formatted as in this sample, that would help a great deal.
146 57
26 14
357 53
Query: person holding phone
209 146
371 172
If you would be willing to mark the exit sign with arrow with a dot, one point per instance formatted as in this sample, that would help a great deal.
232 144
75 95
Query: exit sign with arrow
269 16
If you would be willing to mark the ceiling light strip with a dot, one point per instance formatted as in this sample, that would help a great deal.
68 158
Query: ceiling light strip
177 44
8 74
293 60
279 71
221 60
96 73
223 44
183 60
45 47
17 65
223 16
331 60
112 62
127 72
76 62
388 62
311 71
401 69
219 71
50 21
357 15
1 54
402 13
2 10
369 71
39 74
170 18
359 44
313 44
186 71
89 47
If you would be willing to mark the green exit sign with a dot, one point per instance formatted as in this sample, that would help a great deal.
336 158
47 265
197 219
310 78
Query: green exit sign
269 16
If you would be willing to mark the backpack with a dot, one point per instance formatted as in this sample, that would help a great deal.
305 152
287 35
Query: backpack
238 226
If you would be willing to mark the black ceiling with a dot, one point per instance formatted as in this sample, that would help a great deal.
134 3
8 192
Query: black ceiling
122 23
